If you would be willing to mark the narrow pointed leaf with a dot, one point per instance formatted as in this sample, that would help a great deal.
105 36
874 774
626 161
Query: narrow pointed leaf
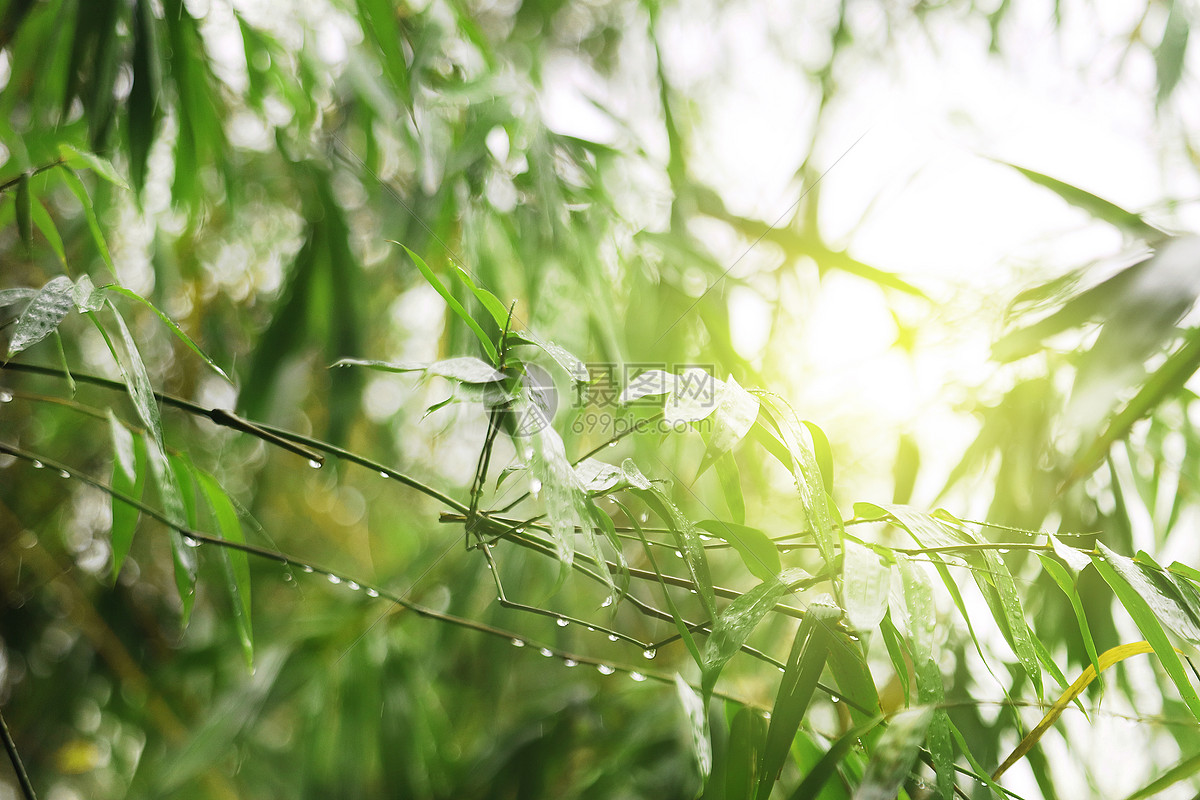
234 562
697 719
1098 207
81 159
45 224
576 370
894 755
687 539
866 581
129 479
747 733
810 649
453 303
1106 660
1059 573
758 552
80 191
810 788
1180 772
172 326
24 200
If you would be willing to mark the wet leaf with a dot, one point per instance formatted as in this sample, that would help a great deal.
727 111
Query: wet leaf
43 314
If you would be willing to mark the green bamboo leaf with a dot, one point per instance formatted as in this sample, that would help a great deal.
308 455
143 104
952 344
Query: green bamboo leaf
1180 772
24 200
453 303
747 733
464 369
697 717
576 370
1160 595
758 552
1098 207
731 487
810 649
733 418
43 314
144 93
80 191
87 297
171 325
172 477
81 159
810 483
738 620
1171 51
236 567
894 755
1146 618
129 479
810 788
486 299
866 581
1060 575
687 540
45 224
849 668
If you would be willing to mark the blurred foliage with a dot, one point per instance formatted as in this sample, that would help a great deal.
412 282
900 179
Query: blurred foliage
198 198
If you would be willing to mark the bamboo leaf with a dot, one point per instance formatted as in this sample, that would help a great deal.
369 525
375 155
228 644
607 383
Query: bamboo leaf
464 369
80 191
894 755
236 567
1171 51
687 540
866 581
172 326
738 620
129 479
747 733
697 718
24 201
823 770
45 224
810 649
453 303
43 314
1147 621
1181 771
1098 207
576 370
1106 660
758 552
1059 573
81 159
731 487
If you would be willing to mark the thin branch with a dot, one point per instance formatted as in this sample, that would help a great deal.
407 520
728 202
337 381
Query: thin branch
15 758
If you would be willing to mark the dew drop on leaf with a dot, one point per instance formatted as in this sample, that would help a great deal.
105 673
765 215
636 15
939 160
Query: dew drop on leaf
352 586
306 568
570 662
605 669
62 473
372 593
650 653
637 676
38 464
191 542
612 637
562 623
334 578
547 653
518 643
6 397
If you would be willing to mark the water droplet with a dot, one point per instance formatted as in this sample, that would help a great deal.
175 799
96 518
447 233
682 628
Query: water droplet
545 652
383 474
836 699
312 462
519 530
605 669
191 541
637 676
372 592
786 550
518 643
37 464
613 443
535 486
644 517
612 637
766 715
693 591
333 578
62 473
570 662
1004 550
352 586
704 537
649 653
608 601
287 576
591 629
780 669
562 623
528 453
612 500
6 397
306 568
678 554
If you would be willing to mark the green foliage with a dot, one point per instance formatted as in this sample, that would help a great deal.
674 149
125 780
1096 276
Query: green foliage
455 591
